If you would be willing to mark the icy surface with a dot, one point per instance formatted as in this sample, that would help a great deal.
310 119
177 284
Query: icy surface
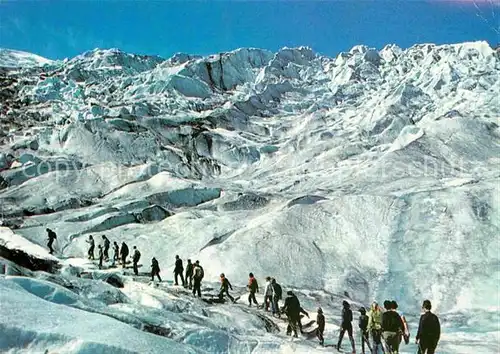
16 58
371 175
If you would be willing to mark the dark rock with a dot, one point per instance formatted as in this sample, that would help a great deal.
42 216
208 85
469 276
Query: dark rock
28 261
115 281
112 222
248 201
153 213
158 330
306 199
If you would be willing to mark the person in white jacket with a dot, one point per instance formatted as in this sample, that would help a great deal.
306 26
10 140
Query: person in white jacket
268 293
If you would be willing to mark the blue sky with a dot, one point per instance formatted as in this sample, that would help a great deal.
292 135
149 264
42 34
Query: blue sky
59 29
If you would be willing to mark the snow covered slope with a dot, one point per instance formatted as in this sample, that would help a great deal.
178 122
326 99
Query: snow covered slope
15 58
374 174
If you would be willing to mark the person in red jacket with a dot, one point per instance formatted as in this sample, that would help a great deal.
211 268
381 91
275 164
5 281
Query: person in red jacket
224 288
253 287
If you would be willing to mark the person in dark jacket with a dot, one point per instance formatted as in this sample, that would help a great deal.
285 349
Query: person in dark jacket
346 325
292 311
189 274
179 270
135 259
392 328
124 254
224 287
101 256
429 330
198 274
155 269
106 248
320 320
90 241
253 287
277 292
363 327
52 236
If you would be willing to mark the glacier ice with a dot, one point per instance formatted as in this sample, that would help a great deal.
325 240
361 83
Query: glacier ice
374 174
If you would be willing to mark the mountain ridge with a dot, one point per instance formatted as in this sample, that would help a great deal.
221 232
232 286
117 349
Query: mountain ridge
368 127
369 175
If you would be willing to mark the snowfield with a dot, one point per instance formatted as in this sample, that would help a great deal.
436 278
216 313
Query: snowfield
372 175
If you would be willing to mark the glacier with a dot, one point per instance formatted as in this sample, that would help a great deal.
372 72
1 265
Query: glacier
371 175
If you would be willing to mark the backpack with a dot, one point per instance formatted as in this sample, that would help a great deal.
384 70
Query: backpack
277 291
52 234
346 315
292 305
198 272
156 266
363 322
137 255
391 322
178 265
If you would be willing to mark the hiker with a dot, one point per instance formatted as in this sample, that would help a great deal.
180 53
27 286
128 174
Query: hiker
91 247
178 270
363 327
268 294
198 274
52 236
155 269
106 248
189 274
429 330
253 287
375 326
406 333
277 292
135 260
124 253
224 287
292 311
320 320
392 327
346 325
116 253
101 256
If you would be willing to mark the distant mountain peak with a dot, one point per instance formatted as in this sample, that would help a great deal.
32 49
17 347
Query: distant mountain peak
15 58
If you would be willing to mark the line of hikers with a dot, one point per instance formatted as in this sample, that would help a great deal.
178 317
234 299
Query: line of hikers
291 308
194 272
386 326
120 254
192 280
